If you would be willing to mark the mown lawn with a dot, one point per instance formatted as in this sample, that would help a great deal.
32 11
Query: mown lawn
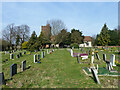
57 70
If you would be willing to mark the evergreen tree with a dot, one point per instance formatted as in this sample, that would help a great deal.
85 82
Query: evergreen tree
104 37
32 41
17 40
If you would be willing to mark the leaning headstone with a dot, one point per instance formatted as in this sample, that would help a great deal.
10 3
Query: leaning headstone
11 56
94 73
38 57
23 65
97 56
112 60
104 57
71 52
35 58
2 79
13 69
42 56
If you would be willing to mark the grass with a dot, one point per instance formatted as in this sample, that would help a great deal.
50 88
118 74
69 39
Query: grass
57 70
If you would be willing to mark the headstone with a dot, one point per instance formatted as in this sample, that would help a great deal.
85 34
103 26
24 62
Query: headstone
17 56
20 54
71 52
42 56
104 57
5 52
47 51
13 69
95 76
78 58
97 56
24 52
92 59
35 58
2 79
11 56
23 65
38 57
97 68
44 53
112 60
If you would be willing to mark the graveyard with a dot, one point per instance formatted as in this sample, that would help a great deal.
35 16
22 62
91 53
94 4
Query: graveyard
61 68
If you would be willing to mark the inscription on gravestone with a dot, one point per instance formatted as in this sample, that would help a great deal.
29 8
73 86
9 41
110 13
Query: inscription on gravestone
13 69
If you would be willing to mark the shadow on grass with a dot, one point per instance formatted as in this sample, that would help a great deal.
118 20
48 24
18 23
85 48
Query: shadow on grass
93 79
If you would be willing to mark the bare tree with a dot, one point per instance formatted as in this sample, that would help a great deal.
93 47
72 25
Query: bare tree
56 26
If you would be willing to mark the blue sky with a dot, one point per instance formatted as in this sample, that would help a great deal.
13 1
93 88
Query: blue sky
88 17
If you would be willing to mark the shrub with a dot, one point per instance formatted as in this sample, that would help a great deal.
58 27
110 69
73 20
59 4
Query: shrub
24 45
75 45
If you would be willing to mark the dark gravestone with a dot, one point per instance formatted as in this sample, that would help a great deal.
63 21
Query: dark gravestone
38 57
104 57
97 56
78 59
24 53
20 54
2 79
23 65
17 56
95 76
13 69
11 56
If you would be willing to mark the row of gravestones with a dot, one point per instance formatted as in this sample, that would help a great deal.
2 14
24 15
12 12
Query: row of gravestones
13 71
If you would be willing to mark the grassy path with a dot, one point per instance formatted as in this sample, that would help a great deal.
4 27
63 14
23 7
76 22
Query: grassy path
57 70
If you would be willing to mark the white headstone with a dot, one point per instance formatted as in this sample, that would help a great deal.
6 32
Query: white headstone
92 59
47 51
35 58
71 52
112 60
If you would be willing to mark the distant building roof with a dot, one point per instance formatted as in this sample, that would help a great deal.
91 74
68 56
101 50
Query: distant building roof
87 38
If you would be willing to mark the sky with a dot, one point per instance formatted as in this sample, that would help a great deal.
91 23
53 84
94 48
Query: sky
88 17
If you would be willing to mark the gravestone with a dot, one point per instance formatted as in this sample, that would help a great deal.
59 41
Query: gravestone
35 58
92 59
47 51
42 56
23 65
97 56
78 58
13 69
97 68
112 60
44 53
11 56
2 79
17 56
24 52
5 52
38 57
95 76
71 52
20 54
104 57
109 66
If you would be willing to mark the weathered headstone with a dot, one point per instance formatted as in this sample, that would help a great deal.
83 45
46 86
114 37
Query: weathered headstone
20 54
11 56
104 57
35 58
42 56
2 79
92 59
71 52
97 56
112 60
23 65
94 73
13 69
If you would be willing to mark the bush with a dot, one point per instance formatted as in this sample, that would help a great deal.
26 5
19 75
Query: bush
75 45
24 45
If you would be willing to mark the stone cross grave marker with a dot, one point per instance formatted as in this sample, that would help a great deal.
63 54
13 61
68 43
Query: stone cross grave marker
104 57
35 58
23 65
11 56
112 60
13 69
95 76
97 56
38 57
2 79
71 52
